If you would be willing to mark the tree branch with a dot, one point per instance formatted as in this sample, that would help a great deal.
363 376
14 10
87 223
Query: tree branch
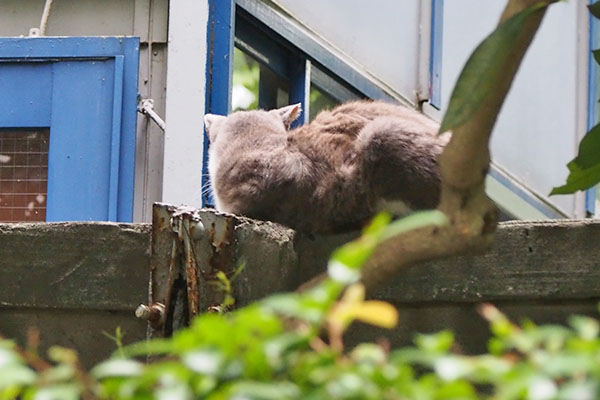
464 165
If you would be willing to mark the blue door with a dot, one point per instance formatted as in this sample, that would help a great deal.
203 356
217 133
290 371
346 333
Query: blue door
67 128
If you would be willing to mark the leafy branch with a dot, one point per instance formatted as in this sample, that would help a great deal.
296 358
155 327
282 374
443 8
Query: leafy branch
464 164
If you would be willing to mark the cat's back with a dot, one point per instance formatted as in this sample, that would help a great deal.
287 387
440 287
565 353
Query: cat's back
333 133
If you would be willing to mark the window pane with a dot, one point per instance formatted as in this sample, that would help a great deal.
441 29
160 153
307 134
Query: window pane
255 85
320 100
23 174
246 75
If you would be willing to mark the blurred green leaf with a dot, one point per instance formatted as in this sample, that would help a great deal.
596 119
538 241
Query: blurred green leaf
147 347
587 328
8 357
59 373
440 342
59 392
484 70
414 221
253 390
296 306
117 367
16 375
206 362
61 354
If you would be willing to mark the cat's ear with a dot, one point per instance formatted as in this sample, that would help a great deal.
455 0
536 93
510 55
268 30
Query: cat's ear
289 113
210 121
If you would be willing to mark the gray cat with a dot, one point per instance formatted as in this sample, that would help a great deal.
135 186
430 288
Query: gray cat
331 175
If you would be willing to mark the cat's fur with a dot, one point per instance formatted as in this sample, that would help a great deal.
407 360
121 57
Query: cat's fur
331 175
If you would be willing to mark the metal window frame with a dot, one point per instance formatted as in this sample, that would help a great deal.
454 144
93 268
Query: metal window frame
435 60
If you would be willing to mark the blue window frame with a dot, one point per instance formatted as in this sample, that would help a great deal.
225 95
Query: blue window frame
437 27
84 91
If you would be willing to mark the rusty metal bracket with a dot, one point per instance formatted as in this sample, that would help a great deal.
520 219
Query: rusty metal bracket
189 247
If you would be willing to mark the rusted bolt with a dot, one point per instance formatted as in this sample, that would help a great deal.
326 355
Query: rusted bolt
153 313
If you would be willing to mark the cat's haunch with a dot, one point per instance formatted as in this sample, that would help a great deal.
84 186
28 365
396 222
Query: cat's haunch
331 175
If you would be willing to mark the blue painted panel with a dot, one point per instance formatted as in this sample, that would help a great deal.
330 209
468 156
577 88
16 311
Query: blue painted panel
593 98
80 141
300 90
90 104
66 47
437 27
131 51
115 141
219 71
25 95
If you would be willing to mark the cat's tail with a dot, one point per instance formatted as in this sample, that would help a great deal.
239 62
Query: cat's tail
399 159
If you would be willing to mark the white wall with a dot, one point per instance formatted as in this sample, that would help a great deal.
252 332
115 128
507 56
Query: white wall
186 79
382 36
538 129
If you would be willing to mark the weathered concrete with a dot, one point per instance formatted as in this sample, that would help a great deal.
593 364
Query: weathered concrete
74 280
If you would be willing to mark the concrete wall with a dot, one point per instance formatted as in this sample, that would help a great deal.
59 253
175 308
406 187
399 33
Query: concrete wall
75 280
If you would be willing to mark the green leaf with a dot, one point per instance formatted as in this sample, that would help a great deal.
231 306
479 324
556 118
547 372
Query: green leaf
148 347
578 179
596 54
484 70
264 391
440 342
587 328
585 168
117 367
206 362
62 392
589 149
355 253
16 375
595 9
368 353
378 224
8 357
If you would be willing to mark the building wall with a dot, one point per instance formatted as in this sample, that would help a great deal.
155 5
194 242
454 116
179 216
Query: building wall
385 39
545 114
147 19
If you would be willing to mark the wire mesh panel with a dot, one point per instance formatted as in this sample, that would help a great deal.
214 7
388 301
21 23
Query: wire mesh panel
23 174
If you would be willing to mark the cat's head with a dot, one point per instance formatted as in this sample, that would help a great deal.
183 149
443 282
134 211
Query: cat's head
240 122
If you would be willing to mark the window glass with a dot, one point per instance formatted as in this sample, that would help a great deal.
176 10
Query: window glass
320 100
246 75
23 174
255 85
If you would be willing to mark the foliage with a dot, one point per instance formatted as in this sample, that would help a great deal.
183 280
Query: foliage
584 170
290 346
